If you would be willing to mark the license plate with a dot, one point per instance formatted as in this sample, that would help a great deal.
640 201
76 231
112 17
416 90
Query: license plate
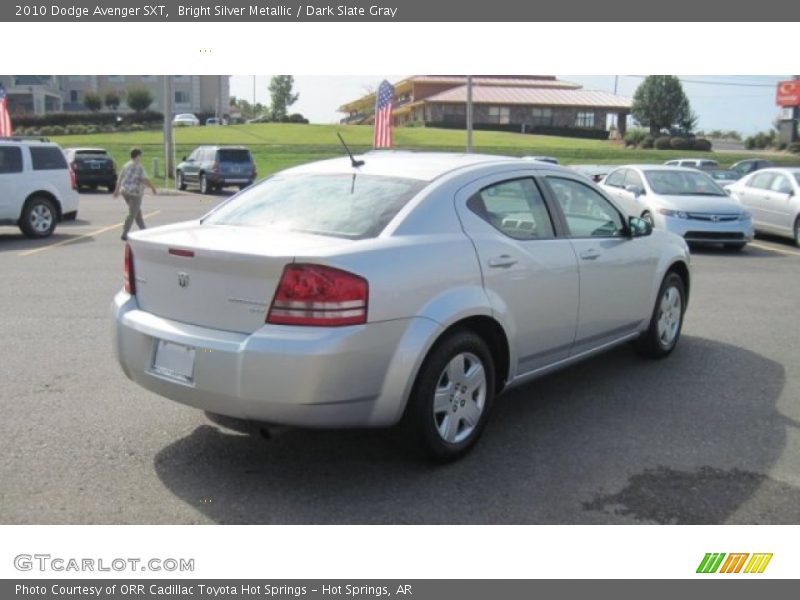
95 165
174 361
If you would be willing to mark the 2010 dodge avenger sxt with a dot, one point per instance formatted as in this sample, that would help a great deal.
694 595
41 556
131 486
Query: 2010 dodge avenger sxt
415 286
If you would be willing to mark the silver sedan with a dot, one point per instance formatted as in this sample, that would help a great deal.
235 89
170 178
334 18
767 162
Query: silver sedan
412 287
684 201
773 196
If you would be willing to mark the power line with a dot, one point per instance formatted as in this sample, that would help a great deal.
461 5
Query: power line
720 83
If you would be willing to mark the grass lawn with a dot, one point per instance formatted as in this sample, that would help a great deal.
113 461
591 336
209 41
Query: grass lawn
276 146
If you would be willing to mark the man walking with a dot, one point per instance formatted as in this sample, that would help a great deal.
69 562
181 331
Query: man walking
130 184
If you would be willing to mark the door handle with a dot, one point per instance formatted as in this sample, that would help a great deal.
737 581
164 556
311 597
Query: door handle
502 261
589 254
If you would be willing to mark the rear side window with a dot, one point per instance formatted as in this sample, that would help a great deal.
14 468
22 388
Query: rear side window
781 185
344 205
47 158
10 159
516 208
231 155
632 178
617 178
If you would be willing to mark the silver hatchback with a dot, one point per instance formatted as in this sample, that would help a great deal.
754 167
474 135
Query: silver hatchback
413 287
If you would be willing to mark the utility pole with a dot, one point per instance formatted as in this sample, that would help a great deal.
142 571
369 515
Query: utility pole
254 97
169 143
616 81
469 114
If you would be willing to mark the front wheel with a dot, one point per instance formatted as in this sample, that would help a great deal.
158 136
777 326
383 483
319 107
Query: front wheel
797 231
204 189
38 218
181 182
452 396
666 322
647 216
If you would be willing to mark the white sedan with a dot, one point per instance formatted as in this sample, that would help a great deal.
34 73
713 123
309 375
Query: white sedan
402 286
773 196
186 119
687 202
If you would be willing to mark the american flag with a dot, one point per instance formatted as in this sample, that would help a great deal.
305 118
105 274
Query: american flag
383 116
5 119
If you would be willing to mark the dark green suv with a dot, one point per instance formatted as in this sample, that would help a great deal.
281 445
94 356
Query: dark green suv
212 168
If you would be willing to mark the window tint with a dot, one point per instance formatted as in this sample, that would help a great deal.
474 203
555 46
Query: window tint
781 184
761 181
588 214
632 178
516 208
682 183
339 205
10 159
233 155
617 178
46 158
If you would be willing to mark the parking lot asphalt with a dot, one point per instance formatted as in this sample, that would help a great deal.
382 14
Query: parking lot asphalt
709 435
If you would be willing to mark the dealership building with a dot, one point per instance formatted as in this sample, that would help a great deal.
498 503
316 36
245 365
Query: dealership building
524 103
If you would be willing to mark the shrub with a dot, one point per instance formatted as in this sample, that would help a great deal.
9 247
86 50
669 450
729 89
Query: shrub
648 142
634 137
662 143
701 144
794 148
680 143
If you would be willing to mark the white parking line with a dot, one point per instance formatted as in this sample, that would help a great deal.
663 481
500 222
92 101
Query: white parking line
773 249
80 237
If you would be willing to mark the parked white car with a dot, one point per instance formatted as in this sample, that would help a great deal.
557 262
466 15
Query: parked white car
413 286
773 197
685 201
186 120
37 186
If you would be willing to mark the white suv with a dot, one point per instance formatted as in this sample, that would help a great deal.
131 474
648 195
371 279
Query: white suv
37 187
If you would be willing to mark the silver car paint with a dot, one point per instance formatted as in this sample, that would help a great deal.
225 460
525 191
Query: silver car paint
773 212
425 275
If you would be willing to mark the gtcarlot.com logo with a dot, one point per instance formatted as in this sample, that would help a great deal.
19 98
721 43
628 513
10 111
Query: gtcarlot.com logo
46 562
741 562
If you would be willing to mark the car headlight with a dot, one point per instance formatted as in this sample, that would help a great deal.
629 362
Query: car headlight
745 215
677 214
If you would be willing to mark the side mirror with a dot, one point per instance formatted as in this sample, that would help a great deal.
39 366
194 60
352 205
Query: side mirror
639 227
184 158
635 190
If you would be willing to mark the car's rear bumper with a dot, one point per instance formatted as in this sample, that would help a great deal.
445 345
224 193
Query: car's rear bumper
316 377
230 179
94 178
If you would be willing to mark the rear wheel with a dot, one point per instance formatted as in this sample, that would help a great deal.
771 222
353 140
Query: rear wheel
38 218
666 322
797 231
452 396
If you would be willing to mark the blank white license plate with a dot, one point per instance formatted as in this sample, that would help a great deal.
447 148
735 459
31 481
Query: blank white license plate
175 361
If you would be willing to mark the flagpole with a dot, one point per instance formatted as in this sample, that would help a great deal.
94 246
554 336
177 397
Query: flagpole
469 113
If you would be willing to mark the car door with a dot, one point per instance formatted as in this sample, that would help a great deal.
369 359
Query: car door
192 165
777 204
530 273
616 271
10 178
614 183
753 196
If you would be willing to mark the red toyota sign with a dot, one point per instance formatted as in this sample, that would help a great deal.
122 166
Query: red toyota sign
788 93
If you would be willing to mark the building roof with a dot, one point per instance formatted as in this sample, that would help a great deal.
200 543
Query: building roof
539 81
531 96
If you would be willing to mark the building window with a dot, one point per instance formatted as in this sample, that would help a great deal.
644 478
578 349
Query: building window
454 113
541 116
73 96
116 78
77 77
149 78
500 115
584 119
182 97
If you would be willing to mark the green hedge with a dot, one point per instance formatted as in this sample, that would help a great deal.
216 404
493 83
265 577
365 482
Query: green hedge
64 119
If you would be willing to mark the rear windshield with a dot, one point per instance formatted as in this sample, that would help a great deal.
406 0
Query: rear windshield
338 205
97 152
233 156
682 183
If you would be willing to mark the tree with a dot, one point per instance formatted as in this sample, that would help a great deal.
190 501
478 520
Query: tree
112 100
139 98
659 103
280 89
92 101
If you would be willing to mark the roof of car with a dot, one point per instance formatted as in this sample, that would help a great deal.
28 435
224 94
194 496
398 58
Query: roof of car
660 168
792 170
86 149
413 165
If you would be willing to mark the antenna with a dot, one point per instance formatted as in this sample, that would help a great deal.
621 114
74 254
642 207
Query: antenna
353 161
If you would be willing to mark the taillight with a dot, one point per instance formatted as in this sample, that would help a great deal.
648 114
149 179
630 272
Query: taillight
215 167
319 296
73 178
127 271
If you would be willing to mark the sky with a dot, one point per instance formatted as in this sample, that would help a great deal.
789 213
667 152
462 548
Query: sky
745 103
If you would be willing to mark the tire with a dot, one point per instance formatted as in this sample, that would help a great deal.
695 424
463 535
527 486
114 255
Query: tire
797 231
451 397
734 247
111 187
648 217
39 217
665 327
181 183
204 187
